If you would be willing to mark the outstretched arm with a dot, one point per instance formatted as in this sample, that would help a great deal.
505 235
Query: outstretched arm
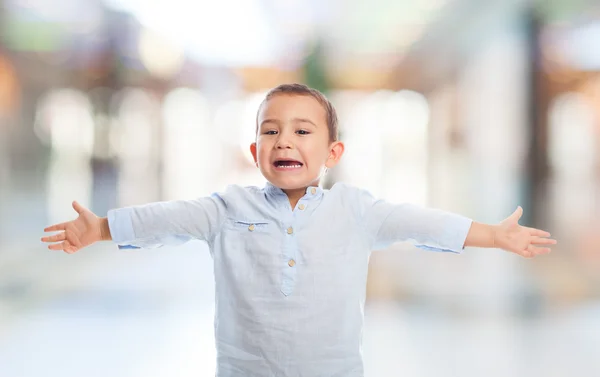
437 230
146 226
509 235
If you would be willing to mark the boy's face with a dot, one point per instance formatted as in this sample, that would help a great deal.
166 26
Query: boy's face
292 144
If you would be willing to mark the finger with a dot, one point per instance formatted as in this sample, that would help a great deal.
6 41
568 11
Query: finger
525 254
537 232
70 249
534 250
55 238
78 207
542 241
58 246
56 227
517 214
66 246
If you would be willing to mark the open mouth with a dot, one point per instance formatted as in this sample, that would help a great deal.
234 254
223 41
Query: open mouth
287 164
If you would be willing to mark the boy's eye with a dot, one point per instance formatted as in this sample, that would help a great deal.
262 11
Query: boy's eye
270 132
302 132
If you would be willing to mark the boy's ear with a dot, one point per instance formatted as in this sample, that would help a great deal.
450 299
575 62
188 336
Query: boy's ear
336 150
253 151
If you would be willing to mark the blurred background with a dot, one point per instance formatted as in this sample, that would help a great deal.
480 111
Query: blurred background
469 106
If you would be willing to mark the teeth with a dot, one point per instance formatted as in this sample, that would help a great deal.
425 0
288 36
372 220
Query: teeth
290 166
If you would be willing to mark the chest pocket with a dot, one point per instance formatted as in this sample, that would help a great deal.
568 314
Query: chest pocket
250 227
257 238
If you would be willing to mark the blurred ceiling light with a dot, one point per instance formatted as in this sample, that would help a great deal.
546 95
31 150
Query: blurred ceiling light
225 32
262 33
391 29
161 58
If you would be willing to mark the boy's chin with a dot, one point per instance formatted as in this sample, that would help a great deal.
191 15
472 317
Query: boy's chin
287 184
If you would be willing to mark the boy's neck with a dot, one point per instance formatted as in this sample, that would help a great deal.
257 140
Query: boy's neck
294 195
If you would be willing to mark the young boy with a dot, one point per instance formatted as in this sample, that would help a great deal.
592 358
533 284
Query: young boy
290 259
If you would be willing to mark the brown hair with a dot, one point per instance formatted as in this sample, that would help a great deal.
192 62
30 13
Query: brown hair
303 90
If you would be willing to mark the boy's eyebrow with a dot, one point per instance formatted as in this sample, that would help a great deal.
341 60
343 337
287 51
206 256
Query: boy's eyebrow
269 121
304 120
294 120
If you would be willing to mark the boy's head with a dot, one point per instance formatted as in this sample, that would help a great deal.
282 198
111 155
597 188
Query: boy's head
296 136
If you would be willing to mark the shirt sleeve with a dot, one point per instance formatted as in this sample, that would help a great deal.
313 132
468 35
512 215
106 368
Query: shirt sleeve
167 223
427 228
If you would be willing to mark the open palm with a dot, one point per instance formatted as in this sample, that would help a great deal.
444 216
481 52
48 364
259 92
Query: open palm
76 234
522 240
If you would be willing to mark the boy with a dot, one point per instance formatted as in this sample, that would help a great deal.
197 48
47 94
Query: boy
290 259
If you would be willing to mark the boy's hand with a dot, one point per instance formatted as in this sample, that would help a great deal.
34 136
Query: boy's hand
510 236
77 234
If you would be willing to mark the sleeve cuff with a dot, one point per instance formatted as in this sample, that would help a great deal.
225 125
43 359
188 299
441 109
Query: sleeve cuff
128 247
121 226
454 236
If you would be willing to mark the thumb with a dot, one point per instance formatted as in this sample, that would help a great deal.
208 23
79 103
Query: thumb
78 207
516 215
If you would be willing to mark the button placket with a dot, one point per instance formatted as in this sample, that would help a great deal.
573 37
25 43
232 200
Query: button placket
289 268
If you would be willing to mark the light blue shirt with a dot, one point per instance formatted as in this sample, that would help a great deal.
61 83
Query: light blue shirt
290 283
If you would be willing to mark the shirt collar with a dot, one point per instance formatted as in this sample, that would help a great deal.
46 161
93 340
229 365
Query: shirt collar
311 191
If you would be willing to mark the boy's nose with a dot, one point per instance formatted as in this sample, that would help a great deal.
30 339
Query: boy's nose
283 143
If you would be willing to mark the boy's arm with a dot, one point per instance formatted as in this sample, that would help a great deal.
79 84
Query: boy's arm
151 225
437 230
167 223
427 228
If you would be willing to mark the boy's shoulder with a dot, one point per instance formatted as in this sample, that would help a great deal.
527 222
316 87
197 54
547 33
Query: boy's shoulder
239 199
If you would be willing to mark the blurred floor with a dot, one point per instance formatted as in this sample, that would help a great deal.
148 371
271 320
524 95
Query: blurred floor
105 312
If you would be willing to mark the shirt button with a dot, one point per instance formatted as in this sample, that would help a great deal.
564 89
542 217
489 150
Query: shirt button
291 263
313 190
251 227
290 230
301 207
